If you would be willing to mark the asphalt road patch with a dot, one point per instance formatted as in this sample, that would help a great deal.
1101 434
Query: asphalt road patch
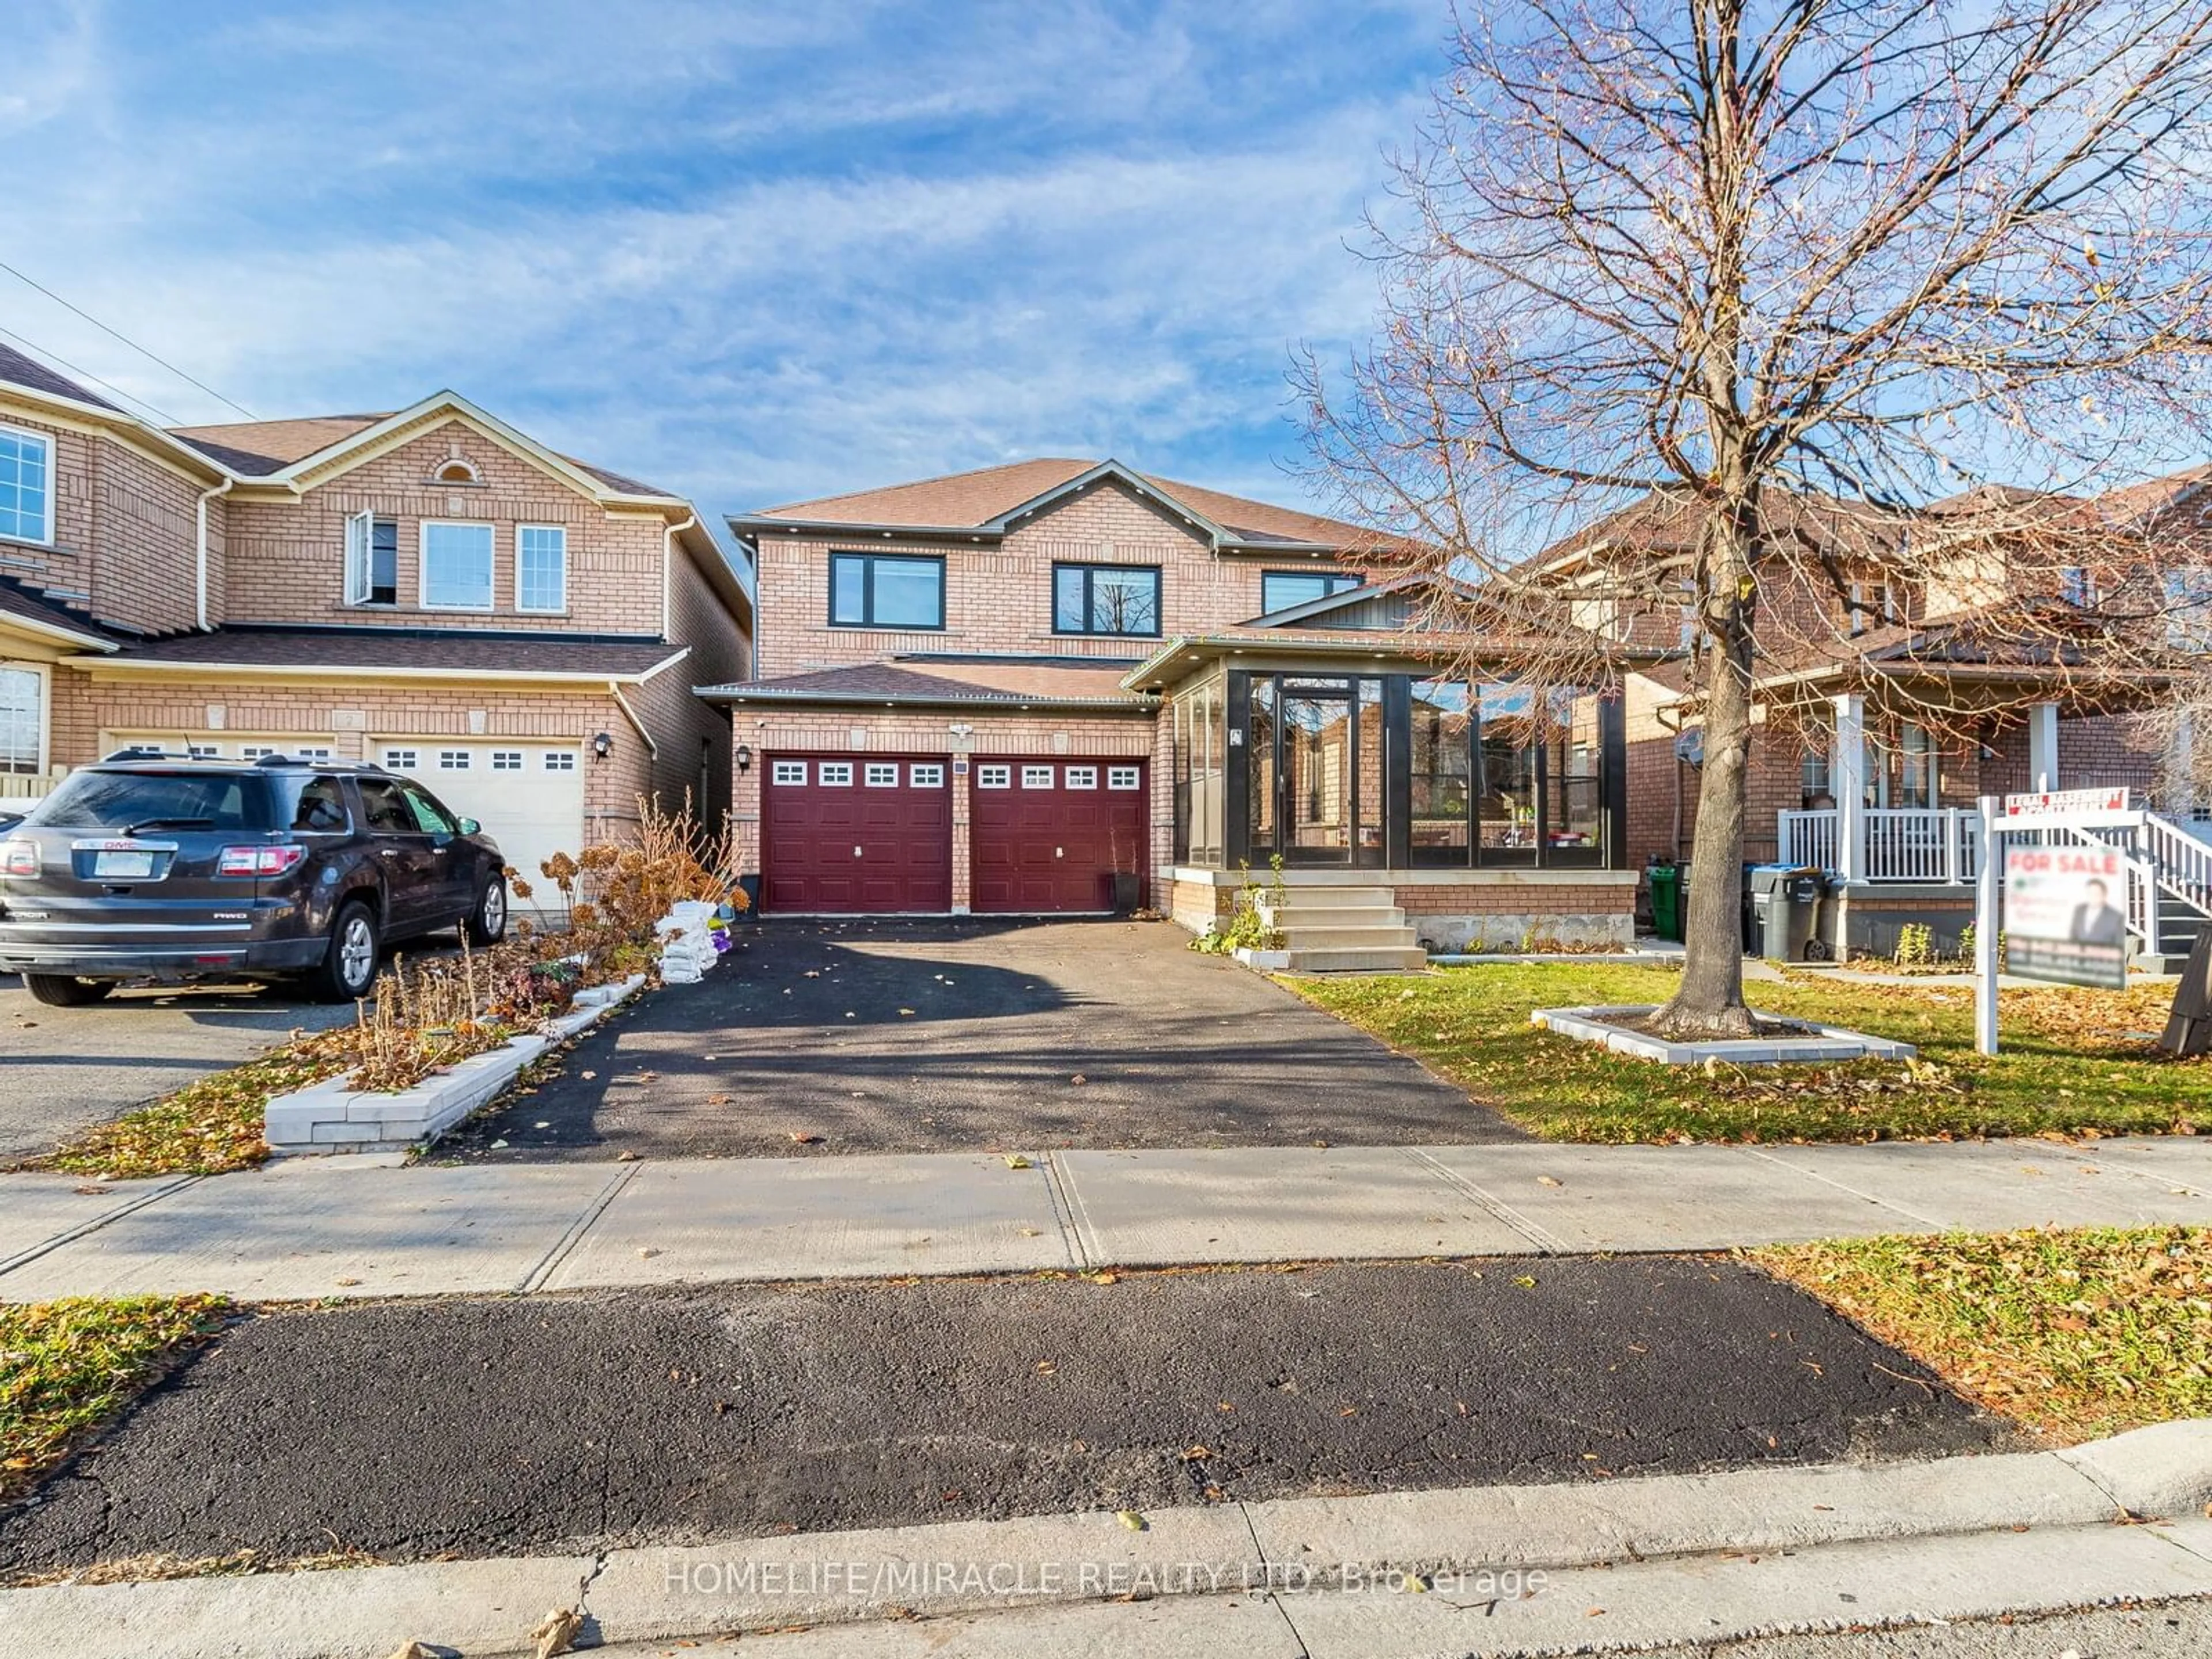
409 1430
820 1038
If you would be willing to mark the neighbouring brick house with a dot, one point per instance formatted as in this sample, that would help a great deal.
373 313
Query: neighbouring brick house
430 590
999 691
1858 778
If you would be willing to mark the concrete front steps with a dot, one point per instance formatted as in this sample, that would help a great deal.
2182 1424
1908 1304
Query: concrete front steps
1344 930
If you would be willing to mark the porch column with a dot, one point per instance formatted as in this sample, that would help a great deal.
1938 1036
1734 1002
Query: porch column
2043 746
1847 778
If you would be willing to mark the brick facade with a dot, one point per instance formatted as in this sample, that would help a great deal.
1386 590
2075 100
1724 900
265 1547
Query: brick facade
288 562
998 595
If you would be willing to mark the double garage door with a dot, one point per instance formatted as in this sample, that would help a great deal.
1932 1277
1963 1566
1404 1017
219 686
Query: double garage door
847 835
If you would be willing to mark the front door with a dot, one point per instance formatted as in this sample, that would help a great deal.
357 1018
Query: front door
1316 749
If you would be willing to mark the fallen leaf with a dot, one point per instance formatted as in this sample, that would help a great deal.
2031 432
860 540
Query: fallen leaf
718 1100
1549 1181
556 1633
806 1138
1105 1278
1132 1521
414 1650
647 1252
588 1076
1078 1078
906 1013
89 1190
625 1158
345 1281
1015 1161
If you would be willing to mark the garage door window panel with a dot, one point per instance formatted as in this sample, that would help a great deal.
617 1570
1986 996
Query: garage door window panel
1036 777
835 775
881 590
456 566
994 777
788 774
882 775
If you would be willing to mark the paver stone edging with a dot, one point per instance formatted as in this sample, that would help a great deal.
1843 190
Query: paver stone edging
1593 1023
330 1117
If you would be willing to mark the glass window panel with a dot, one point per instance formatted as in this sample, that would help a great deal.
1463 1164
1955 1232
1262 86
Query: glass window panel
1505 811
1070 607
1125 601
1574 816
22 700
1259 751
1442 754
456 566
909 593
25 469
848 588
541 568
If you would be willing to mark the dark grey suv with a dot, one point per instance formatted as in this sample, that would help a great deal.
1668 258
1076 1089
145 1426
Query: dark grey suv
167 868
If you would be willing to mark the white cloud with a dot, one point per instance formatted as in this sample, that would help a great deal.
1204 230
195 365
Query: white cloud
752 252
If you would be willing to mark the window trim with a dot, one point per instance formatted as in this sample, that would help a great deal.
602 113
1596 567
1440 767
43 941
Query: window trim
1004 779
422 564
869 558
869 781
41 672
1133 773
1091 569
560 610
1341 582
1040 777
823 780
788 775
45 441
935 780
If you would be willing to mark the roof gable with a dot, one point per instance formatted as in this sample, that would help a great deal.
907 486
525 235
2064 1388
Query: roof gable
991 499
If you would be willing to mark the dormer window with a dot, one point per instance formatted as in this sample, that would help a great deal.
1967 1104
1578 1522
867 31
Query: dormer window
26 485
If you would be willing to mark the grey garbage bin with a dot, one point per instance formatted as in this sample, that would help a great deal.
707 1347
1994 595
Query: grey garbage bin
1786 900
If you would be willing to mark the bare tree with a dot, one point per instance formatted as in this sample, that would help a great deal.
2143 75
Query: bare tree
1723 293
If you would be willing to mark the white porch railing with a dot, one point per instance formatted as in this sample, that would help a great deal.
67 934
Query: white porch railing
1917 844
26 786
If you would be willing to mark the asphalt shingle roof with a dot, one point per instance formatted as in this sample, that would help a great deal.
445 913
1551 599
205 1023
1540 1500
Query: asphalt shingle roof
27 371
406 648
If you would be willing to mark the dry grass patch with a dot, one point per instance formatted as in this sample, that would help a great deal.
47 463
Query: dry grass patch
2077 1333
68 1367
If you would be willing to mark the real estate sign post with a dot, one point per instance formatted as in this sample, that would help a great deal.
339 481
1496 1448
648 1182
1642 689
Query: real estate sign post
2063 906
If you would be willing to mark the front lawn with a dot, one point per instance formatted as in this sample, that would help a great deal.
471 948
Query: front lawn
69 1366
2078 1332
2069 1063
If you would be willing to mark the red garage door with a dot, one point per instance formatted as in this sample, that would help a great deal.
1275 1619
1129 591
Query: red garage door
1050 834
855 835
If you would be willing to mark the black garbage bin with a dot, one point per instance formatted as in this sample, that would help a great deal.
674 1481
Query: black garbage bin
1786 900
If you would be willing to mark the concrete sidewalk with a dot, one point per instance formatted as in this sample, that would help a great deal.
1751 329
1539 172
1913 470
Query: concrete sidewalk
350 1227
1531 1569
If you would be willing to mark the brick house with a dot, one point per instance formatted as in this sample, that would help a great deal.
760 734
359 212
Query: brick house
999 691
1856 779
429 589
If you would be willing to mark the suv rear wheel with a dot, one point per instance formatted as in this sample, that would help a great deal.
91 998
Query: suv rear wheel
487 923
64 990
349 966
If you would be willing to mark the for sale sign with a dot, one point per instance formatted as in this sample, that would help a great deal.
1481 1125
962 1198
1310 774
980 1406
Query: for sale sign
2064 920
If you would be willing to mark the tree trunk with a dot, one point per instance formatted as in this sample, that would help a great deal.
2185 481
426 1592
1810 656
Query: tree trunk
1709 1001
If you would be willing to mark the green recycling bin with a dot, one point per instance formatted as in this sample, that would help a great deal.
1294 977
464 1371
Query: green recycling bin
1666 900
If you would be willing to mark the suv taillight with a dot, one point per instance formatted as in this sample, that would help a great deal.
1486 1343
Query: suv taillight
257 860
18 858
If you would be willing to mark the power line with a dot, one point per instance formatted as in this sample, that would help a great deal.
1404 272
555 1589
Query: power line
33 345
128 341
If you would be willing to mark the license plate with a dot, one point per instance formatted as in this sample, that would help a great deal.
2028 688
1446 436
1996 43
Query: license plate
112 864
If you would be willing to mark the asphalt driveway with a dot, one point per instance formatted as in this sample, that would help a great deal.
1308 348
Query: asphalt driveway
931 1036
413 1430
65 1069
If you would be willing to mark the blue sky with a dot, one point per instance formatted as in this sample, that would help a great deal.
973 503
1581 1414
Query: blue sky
750 251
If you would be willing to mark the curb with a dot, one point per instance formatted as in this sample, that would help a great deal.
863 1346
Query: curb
329 1117
1951 1521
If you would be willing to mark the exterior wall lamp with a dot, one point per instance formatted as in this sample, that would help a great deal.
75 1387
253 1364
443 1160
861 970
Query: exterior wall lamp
603 746
744 757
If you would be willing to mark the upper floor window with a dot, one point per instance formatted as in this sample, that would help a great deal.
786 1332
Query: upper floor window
26 485
372 560
456 566
2189 610
1873 604
2077 585
1281 589
541 568
1105 599
883 589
